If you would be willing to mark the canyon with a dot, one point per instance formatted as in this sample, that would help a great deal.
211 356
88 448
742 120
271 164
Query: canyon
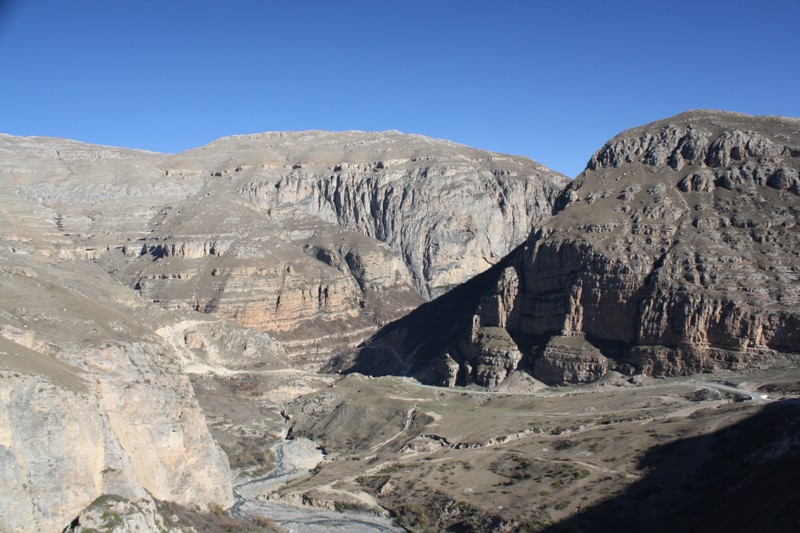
387 332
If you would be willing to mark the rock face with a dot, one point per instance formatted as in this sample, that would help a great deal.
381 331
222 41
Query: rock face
317 238
675 252
679 240
92 402
569 359
449 212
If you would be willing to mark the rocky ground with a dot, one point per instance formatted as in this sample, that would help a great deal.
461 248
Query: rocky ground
709 451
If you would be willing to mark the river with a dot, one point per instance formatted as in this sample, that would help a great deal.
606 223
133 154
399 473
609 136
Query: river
295 458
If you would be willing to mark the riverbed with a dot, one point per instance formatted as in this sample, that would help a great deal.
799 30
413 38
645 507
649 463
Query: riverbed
295 458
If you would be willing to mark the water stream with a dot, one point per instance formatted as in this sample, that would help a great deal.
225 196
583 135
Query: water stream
295 458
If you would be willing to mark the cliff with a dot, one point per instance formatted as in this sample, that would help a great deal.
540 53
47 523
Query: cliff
120 269
317 238
92 402
674 252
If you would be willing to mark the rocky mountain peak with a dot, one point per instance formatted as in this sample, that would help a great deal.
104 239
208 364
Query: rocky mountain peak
705 139
675 251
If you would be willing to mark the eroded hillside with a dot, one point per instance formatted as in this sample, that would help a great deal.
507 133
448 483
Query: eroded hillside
675 252
314 237
166 316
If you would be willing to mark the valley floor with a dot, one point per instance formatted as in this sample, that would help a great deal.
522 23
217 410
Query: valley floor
621 453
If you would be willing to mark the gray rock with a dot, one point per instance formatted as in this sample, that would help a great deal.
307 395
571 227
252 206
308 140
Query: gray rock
93 401
316 238
308 241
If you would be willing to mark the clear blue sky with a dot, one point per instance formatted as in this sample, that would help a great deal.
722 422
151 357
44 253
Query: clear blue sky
552 80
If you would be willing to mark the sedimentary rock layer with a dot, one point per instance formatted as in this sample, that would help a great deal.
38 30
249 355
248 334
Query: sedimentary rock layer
676 251
92 401
315 237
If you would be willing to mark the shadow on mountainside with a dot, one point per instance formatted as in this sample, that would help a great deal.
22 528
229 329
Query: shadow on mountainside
428 331
745 477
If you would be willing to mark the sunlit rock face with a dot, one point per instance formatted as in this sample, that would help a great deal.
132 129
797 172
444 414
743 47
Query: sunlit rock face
123 272
93 402
674 252
316 237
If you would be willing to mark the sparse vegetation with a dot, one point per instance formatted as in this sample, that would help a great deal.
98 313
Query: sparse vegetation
217 520
396 467
348 506
473 484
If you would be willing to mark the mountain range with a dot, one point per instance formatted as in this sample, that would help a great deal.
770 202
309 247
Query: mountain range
173 324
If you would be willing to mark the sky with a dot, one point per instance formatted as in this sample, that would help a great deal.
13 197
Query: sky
551 80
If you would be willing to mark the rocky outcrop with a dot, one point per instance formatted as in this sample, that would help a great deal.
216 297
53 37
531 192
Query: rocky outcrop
488 355
93 402
319 289
450 215
115 514
674 252
695 250
569 360
500 307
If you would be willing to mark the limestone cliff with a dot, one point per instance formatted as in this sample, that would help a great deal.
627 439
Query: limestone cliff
92 402
675 252
448 210
317 238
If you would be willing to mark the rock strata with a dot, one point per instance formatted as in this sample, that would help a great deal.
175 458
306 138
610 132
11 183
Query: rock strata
569 360
120 270
675 252
315 237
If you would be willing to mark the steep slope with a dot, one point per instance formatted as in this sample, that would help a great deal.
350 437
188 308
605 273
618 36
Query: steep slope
315 237
676 251
450 211
92 401
283 233
97 412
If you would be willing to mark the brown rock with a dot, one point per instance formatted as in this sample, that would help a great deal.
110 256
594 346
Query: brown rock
674 252
570 359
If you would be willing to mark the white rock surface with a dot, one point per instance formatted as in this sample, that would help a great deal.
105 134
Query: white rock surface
92 402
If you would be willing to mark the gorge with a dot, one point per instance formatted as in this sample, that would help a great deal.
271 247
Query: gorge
473 341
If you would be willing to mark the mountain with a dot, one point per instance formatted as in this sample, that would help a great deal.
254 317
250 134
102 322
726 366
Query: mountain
165 317
674 252
94 401
314 237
